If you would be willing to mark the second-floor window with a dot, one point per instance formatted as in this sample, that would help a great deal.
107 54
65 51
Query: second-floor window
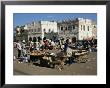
29 30
70 28
44 30
61 28
83 27
49 30
34 30
38 29
88 28
52 30
66 28
73 26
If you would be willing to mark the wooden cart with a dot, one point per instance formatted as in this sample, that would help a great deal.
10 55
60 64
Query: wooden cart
57 60
35 56
81 56
48 59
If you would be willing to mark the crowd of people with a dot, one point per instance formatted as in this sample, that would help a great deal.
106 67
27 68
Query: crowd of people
49 44
41 45
22 50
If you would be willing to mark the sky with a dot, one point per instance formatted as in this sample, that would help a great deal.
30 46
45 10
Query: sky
24 18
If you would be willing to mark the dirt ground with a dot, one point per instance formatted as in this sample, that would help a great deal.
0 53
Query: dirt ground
88 68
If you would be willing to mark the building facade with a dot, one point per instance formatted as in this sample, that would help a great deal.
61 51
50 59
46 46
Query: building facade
48 27
41 28
85 29
94 29
68 29
34 30
80 28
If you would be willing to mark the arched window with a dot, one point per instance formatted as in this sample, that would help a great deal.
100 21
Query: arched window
34 30
30 38
83 27
29 30
88 28
73 39
52 30
39 38
69 28
73 26
66 28
34 39
38 29
44 30
61 28
49 30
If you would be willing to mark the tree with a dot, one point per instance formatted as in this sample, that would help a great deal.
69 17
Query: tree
22 31
22 36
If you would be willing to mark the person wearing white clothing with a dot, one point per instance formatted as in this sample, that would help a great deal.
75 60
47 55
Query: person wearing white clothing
70 40
37 45
19 49
24 47
52 43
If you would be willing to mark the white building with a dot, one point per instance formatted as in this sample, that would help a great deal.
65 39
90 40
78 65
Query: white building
80 28
38 29
18 30
85 29
94 30
48 27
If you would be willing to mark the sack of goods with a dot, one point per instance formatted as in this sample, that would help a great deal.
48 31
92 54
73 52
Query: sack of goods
36 52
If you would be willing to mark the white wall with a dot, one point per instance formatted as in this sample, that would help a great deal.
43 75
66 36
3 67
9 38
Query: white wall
84 34
49 25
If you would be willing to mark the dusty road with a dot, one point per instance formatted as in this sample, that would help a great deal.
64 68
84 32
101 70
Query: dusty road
88 68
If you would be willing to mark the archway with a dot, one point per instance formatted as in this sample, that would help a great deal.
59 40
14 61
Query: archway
30 38
34 39
73 39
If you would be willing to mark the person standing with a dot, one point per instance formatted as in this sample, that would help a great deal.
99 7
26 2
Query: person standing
66 45
24 47
19 48
41 45
24 52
